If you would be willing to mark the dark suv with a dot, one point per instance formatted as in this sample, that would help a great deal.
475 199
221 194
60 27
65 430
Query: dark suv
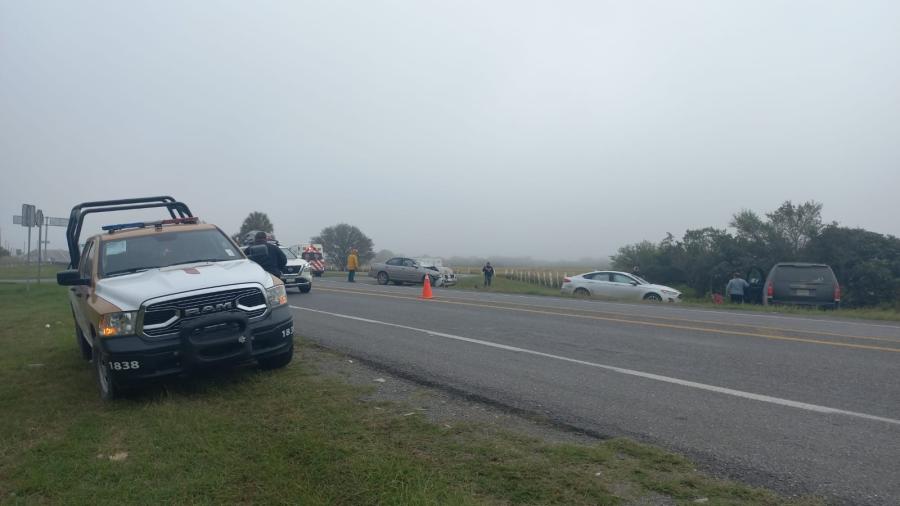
803 284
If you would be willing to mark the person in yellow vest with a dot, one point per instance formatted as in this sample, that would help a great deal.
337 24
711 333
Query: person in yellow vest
352 265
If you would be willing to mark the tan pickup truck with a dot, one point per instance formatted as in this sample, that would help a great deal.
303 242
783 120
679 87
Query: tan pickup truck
158 299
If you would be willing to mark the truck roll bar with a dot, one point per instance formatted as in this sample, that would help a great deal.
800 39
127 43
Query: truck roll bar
76 216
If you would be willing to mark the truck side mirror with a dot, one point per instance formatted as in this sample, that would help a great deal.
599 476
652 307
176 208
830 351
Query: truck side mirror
71 278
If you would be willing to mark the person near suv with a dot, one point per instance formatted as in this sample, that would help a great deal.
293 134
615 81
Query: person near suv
274 261
735 288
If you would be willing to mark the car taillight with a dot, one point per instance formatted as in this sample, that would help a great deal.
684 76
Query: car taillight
837 293
567 280
770 290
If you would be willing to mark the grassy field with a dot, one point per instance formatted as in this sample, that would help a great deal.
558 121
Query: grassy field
21 271
503 285
289 436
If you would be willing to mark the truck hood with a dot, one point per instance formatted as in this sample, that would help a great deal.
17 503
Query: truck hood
298 261
131 290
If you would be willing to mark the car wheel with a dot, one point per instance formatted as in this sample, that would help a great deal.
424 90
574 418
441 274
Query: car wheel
582 292
434 281
278 361
383 278
306 289
105 381
652 297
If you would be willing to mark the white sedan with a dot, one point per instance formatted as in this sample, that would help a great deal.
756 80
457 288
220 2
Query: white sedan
617 285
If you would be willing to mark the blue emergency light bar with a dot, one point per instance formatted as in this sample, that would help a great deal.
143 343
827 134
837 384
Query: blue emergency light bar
121 226
157 224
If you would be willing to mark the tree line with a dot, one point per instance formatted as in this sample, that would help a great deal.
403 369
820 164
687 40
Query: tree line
867 264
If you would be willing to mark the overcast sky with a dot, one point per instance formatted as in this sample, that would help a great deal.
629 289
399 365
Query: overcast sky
555 129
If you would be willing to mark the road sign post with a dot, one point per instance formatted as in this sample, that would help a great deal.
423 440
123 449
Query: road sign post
39 222
28 221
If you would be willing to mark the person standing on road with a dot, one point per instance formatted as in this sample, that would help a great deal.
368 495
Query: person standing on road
274 261
736 287
352 265
488 271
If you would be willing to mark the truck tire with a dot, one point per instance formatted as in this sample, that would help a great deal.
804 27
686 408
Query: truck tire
306 289
277 361
108 389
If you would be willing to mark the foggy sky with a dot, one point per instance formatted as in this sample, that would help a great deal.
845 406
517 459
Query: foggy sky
554 129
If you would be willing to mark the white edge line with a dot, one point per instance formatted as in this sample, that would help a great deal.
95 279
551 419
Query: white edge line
630 372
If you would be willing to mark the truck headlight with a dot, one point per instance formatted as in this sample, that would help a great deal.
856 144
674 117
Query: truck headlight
277 296
118 324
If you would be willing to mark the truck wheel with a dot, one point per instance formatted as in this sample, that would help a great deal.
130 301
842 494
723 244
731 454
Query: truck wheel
306 289
383 278
277 361
107 385
86 350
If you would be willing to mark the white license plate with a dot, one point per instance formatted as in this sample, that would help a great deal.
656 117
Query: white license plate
803 292
291 280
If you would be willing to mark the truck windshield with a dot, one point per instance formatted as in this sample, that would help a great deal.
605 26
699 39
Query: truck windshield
135 254
288 253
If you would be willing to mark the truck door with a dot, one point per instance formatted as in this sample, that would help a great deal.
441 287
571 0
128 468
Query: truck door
78 295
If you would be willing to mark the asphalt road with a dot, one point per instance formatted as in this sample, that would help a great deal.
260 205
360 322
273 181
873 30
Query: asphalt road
801 405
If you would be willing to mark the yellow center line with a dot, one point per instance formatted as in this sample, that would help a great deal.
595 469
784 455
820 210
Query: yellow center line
623 320
677 319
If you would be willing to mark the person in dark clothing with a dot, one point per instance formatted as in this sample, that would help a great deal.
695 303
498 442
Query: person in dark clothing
275 261
636 271
488 271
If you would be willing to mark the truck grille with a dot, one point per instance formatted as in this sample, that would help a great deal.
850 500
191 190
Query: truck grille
166 317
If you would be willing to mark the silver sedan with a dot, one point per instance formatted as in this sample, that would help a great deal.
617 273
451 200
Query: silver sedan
617 285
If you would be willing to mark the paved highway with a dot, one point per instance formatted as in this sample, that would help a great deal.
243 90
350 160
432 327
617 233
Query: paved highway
800 405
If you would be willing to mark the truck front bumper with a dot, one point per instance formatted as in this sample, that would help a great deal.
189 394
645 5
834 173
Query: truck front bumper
219 340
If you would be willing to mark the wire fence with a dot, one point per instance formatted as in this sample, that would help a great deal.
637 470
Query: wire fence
540 277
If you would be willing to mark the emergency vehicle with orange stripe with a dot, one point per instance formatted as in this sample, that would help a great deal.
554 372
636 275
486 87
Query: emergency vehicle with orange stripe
315 255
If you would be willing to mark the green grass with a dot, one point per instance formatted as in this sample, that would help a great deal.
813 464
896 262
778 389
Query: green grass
21 271
884 314
502 285
289 436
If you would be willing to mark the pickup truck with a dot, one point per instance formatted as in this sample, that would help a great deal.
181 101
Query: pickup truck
159 299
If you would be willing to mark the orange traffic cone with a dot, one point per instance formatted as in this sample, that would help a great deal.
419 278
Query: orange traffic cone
426 288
